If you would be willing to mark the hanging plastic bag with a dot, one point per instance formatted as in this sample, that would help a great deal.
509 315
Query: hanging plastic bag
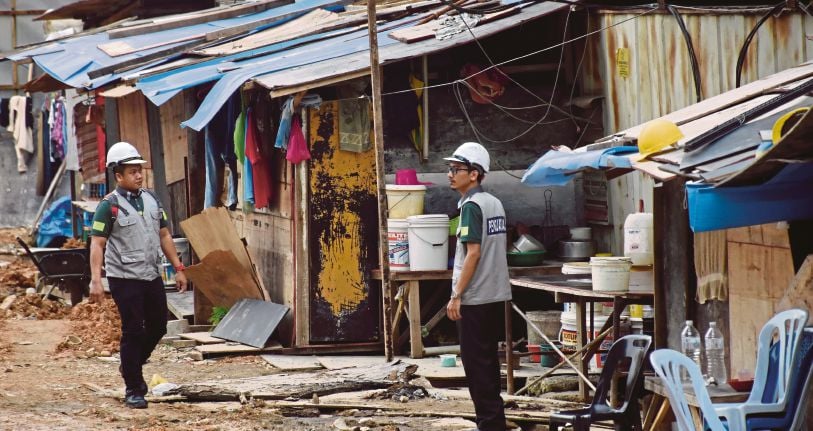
297 147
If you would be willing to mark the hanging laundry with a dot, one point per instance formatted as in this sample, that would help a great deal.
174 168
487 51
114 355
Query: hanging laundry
57 122
70 140
283 133
297 147
220 147
486 86
260 165
23 138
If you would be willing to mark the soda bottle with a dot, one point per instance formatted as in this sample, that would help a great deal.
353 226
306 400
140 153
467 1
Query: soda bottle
690 342
715 355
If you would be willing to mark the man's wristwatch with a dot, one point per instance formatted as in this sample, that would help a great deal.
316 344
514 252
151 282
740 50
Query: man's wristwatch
455 295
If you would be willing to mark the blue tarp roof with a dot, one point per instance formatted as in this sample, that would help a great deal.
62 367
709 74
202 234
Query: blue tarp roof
69 61
556 168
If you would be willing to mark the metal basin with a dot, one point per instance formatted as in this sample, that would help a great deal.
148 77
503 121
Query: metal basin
572 250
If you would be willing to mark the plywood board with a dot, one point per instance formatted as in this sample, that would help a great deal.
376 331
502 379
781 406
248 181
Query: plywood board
219 277
747 315
293 363
213 230
250 321
201 337
339 362
800 292
416 33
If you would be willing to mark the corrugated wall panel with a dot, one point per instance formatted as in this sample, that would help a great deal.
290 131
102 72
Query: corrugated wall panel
661 79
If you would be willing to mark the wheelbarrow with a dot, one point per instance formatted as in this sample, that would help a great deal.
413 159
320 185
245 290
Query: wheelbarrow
68 270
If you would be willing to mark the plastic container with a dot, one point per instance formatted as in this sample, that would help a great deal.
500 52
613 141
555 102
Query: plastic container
549 322
527 243
535 348
611 274
638 239
398 244
549 357
405 201
569 337
448 360
642 279
428 242
715 355
691 345
576 268
525 258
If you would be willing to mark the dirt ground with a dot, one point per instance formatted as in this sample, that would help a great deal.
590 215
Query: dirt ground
59 368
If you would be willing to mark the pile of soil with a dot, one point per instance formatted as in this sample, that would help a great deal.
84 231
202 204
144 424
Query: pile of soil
35 307
95 330
19 273
73 243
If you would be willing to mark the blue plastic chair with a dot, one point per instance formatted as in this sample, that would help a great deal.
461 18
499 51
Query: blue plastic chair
670 365
797 395
785 328
632 349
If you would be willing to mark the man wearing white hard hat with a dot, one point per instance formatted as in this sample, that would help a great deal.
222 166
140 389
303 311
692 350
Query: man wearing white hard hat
129 228
480 283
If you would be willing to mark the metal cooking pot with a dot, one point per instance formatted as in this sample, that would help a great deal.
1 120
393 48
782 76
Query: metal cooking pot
572 250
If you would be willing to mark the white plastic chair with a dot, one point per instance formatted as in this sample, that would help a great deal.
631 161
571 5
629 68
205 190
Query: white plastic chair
784 328
669 366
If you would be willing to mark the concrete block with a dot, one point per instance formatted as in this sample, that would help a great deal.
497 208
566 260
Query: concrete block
175 327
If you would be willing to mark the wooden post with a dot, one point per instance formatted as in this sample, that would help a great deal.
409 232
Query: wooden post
425 122
378 129
509 349
14 79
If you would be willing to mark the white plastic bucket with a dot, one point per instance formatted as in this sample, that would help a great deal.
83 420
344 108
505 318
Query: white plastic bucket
569 337
398 244
638 239
611 274
642 279
405 201
428 242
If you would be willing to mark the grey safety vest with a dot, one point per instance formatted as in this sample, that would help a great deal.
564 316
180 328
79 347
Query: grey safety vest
133 245
490 281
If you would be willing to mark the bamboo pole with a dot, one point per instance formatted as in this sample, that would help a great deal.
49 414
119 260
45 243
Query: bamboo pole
378 134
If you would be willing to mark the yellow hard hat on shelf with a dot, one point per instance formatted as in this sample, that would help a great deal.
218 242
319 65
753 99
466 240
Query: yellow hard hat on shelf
657 135
786 122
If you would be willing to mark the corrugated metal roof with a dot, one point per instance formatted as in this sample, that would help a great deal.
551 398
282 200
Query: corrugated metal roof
73 60
303 75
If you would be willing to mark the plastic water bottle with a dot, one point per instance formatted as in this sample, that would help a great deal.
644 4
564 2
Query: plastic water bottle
715 355
690 342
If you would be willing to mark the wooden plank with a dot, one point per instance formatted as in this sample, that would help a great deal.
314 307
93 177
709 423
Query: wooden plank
341 362
159 179
195 174
133 125
174 138
293 363
224 348
201 337
219 278
416 33
747 315
414 316
303 385
301 255
185 20
774 236
181 305
118 48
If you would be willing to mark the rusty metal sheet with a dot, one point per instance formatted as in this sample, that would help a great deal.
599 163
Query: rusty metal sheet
343 231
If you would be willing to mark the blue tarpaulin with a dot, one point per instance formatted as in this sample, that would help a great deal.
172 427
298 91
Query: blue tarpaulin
787 196
556 168
56 222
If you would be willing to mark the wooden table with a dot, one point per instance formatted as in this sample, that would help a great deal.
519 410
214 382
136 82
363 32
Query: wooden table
577 288
659 407
410 281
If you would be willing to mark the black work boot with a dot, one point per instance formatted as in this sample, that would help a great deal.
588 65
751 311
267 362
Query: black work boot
135 401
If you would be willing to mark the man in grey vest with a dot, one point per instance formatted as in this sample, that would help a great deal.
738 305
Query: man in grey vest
129 228
480 283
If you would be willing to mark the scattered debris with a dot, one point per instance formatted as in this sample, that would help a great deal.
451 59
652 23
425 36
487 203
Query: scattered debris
401 392
19 273
72 243
96 329
33 307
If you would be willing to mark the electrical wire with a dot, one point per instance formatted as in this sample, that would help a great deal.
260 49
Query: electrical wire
692 56
744 50
530 54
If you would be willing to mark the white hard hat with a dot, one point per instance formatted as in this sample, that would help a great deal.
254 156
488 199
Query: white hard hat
123 153
471 153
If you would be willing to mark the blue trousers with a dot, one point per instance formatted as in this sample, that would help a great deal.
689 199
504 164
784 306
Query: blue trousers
143 309
219 139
